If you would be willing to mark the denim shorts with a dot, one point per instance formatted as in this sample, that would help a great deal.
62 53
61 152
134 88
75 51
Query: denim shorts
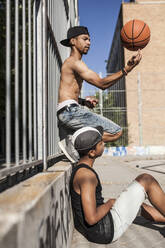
76 117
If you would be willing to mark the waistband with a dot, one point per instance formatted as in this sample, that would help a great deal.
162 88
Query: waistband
66 103
66 108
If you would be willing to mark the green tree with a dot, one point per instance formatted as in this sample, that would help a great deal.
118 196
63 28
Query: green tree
3 68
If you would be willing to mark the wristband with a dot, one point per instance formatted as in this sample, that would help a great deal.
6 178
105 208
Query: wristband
81 101
124 71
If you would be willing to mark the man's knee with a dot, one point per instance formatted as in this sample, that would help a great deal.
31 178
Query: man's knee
146 180
119 134
108 137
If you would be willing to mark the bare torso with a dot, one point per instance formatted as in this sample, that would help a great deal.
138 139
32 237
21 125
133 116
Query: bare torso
74 71
70 82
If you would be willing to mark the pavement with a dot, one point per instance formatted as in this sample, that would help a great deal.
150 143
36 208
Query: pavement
115 174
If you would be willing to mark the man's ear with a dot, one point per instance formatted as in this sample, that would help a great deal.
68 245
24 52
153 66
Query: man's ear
72 41
92 153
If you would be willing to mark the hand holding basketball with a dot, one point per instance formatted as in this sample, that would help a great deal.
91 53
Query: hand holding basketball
135 60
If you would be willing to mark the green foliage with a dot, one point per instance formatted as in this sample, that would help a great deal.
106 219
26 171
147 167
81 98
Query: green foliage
3 54
12 66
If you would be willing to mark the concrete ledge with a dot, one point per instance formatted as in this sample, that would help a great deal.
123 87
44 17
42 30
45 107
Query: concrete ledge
37 212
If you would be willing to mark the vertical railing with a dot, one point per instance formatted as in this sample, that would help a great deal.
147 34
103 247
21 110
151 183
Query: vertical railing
24 126
8 83
17 82
39 64
33 60
30 79
35 81
45 82
54 64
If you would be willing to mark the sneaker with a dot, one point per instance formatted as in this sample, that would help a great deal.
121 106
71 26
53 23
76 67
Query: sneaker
68 149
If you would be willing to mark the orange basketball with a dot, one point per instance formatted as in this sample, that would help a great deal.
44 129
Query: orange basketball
135 35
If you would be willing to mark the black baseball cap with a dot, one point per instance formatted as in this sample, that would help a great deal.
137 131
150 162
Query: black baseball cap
87 137
73 32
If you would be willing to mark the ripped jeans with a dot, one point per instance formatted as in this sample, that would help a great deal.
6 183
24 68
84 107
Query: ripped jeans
76 117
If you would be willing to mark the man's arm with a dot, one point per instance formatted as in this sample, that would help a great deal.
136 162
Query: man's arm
93 214
106 82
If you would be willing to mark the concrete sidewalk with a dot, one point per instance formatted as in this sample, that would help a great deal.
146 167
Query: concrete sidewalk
115 175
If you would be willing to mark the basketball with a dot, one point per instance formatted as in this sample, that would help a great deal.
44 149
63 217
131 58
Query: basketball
135 35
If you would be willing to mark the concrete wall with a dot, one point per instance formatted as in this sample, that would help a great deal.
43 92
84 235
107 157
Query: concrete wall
37 212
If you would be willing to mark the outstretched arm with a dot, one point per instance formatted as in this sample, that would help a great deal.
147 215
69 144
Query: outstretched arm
106 82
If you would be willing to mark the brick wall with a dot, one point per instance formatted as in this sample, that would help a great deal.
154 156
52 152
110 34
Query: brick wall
152 77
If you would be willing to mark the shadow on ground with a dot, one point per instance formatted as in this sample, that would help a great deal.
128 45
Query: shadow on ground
157 226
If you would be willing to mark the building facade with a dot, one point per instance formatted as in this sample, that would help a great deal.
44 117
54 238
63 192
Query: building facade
145 85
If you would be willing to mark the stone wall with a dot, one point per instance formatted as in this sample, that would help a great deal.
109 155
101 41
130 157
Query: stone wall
37 212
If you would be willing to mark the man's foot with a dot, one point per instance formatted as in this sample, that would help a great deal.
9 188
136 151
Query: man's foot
68 149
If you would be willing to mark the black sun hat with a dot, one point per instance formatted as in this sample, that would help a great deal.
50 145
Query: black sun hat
87 137
73 32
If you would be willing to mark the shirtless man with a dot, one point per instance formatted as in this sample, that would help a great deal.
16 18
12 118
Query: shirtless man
72 116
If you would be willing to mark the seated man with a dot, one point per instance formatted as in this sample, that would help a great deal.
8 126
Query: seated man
71 116
101 222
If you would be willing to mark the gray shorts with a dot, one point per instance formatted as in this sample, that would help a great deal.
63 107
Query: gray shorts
76 117
126 207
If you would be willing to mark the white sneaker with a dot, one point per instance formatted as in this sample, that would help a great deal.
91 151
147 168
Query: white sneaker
68 149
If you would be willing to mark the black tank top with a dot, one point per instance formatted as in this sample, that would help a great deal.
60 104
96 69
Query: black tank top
102 232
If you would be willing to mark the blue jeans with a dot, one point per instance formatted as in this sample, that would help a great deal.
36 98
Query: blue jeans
76 117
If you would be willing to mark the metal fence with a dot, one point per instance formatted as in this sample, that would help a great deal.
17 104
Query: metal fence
138 108
30 63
